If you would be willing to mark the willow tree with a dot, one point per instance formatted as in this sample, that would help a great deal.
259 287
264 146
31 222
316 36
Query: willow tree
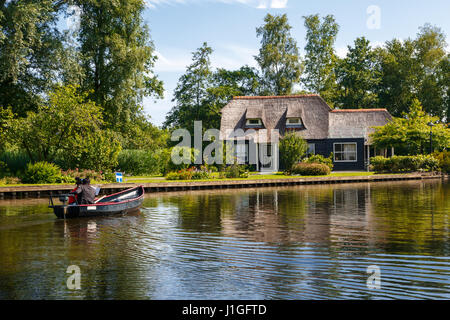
118 57
279 57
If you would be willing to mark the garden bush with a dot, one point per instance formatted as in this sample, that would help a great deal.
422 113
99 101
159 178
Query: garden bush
234 171
444 160
311 169
41 172
16 161
4 170
292 149
183 174
9 180
189 174
317 158
398 164
201 174
139 162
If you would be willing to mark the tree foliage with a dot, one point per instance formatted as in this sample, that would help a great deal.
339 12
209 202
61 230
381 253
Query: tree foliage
30 45
118 57
6 116
292 149
191 93
410 135
67 126
415 69
278 57
320 58
358 77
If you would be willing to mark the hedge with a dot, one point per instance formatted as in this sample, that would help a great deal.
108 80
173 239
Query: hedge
397 164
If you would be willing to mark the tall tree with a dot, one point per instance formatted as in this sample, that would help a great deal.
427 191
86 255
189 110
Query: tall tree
430 52
357 77
191 94
118 58
320 58
225 85
279 57
412 69
444 83
399 70
30 45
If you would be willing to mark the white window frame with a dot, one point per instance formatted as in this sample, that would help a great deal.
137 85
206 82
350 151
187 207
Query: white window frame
313 149
343 152
288 121
254 124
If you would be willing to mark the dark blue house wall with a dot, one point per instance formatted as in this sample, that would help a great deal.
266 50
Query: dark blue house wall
325 147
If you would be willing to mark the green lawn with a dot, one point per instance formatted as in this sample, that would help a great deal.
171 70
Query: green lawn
253 176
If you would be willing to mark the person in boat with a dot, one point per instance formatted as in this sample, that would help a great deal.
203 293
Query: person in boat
74 199
86 194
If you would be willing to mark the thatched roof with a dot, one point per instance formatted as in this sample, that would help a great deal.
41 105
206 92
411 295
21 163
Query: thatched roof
356 123
273 111
319 120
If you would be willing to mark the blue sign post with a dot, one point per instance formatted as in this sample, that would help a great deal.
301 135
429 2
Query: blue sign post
119 177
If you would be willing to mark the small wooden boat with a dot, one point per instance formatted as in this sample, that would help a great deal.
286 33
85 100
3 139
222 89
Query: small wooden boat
118 203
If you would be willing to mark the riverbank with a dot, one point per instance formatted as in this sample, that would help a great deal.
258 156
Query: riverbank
39 191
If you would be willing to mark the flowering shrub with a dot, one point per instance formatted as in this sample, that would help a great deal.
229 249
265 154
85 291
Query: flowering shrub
93 175
183 174
189 174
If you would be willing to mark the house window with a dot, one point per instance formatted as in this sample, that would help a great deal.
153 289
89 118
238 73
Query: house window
254 122
242 153
311 149
345 152
294 121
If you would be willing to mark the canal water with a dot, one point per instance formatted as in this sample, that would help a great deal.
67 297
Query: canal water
304 242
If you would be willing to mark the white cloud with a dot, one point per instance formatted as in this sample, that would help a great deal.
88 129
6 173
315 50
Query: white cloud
172 61
279 4
233 56
228 56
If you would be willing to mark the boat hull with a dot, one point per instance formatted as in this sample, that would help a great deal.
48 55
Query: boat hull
107 207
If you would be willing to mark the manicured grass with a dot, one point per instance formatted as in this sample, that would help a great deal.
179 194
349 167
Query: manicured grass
253 176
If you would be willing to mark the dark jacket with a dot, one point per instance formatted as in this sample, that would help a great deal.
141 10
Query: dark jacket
86 194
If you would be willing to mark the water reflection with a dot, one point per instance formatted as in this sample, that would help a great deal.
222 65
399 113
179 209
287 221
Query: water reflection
311 242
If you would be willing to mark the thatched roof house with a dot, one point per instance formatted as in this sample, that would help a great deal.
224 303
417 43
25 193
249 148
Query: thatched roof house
343 132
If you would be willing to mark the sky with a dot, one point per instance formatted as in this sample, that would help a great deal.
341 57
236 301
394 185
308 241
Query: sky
179 27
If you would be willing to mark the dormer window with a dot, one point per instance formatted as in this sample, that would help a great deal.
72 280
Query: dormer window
294 121
254 122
